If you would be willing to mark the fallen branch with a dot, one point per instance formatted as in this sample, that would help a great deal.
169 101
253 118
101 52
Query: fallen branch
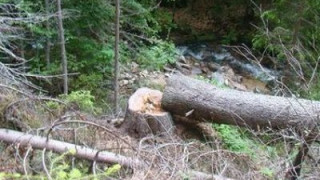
82 152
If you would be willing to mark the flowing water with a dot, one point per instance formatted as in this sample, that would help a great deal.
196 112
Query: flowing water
222 66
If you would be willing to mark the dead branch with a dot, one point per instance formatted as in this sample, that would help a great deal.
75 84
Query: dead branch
38 142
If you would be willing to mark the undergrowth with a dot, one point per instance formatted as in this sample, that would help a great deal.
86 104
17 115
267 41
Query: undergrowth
157 56
246 142
235 140
60 168
83 99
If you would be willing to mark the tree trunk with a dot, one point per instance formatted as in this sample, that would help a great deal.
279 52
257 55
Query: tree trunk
82 152
63 49
48 43
204 102
116 59
144 115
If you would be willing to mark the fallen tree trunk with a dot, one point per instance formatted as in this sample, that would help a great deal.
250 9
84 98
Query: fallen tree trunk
82 152
203 102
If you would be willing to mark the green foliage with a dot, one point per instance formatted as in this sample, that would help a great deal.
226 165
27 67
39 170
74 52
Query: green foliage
157 56
271 15
267 172
212 81
4 175
164 20
292 27
231 37
234 139
93 82
90 43
60 168
75 174
313 93
53 105
83 99
113 170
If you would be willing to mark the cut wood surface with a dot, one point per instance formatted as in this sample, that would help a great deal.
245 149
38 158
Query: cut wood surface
201 101
82 152
145 116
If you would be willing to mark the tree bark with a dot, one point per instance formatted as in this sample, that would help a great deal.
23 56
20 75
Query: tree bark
48 43
63 49
204 102
144 115
82 152
116 59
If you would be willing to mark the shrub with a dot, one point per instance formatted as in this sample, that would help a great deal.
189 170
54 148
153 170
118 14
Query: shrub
234 140
157 56
83 99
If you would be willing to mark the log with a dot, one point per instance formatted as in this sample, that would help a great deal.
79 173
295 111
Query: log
38 142
144 115
203 102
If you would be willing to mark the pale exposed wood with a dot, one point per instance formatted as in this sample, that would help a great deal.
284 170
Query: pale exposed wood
145 116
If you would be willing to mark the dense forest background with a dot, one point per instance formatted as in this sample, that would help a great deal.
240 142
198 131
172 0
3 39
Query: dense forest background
285 33
45 48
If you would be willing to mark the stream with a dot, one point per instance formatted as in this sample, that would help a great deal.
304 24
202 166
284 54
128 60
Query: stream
218 64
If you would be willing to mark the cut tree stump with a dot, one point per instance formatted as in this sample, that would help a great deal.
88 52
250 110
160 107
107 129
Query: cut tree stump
203 102
144 115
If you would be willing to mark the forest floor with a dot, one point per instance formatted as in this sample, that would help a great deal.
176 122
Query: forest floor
182 155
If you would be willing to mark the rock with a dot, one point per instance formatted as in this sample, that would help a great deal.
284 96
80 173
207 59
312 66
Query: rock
196 71
213 66
125 82
134 67
126 76
144 73
182 59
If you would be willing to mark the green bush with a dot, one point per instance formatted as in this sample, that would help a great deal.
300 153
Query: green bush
156 56
83 99
234 140
93 83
